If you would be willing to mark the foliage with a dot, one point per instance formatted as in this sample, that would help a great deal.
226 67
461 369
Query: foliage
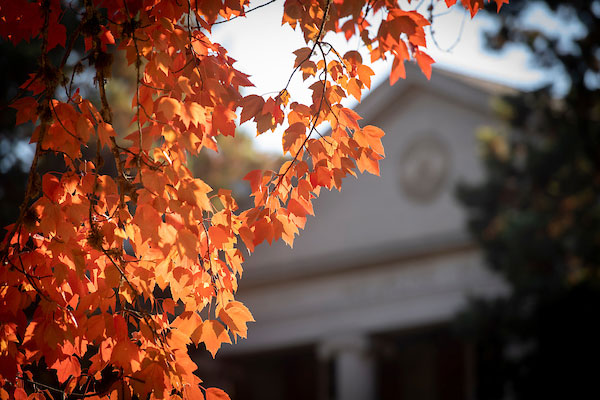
106 280
537 216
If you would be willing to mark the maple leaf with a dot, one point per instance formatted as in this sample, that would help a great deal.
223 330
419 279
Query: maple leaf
223 121
293 137
398 70
235 315
373 135
212 333
187 243
424 62
192 113
251 105
302 55
126 355
349 118
26 109
218 235
169 107
67 368
105 132
216 394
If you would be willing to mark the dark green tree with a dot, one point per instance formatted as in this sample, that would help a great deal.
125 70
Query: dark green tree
537 217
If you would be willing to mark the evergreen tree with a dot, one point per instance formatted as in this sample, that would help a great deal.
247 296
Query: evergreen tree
537 218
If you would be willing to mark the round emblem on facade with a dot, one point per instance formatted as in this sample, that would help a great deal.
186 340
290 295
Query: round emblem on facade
424 167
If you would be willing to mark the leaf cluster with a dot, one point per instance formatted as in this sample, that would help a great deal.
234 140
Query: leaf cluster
107 279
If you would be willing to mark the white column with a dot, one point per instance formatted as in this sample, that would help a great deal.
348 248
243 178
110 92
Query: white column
354 369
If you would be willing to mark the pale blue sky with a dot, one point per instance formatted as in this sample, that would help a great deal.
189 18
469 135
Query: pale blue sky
264 49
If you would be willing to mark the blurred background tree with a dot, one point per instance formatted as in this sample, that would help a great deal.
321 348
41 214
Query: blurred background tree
537 215
15 154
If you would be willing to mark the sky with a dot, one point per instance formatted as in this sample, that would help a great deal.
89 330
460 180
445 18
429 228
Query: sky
264 49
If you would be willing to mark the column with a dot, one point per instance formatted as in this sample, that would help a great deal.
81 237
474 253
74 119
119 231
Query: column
353 375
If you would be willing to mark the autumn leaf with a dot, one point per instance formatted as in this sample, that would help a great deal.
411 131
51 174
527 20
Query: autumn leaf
105 132
251 107
398 70
169 107
349 118
212 333
187 243
218 236
216 394
424 62
302 55
373 135
235 315
26 110
66 368
293 137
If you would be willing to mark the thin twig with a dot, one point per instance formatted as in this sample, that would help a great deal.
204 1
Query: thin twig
245 12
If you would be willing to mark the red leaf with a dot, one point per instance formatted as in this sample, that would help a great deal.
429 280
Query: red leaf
57 35
251 107
26 109
302 55
223 121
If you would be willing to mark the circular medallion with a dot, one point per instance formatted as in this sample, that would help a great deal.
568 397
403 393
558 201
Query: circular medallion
424 167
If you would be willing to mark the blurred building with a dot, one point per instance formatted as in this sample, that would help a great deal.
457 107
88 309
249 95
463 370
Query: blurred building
359 308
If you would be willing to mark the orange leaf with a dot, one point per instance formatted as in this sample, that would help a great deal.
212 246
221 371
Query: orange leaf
236 316
192 113
364 74
187 243
398 70
26 109
212 333
369 161
223 121
297 208
66 368
105 132
216 394
354 88
218 236
188 323
293 137
349 118
169 107
424 62
373 135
